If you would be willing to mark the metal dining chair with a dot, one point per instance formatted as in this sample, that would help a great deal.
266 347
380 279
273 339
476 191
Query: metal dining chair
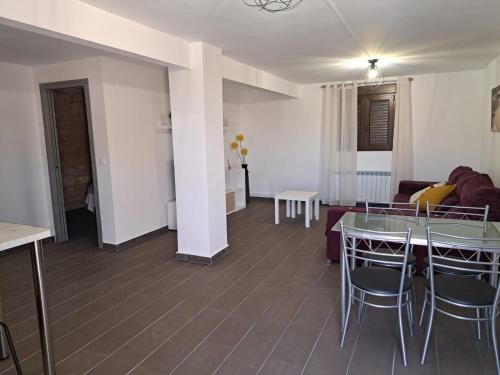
393 208
476 214
406 210
456 212
366 282
453 290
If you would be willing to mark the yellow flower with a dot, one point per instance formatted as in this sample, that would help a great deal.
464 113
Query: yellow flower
240 137
234 145
244 152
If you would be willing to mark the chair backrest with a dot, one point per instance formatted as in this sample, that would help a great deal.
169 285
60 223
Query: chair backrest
457 212
475 256
393 208
383 248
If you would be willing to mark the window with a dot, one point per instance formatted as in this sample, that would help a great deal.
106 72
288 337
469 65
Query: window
376 117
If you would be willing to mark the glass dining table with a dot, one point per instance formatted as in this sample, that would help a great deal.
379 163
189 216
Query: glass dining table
476 230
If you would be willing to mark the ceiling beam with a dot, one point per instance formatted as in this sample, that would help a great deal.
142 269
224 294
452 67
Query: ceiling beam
84 24
248 75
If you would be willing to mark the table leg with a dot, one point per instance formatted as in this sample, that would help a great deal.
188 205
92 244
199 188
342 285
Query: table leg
299 207
316 208
494 268
276 211
308 212
4 346
293 209
287 208
42 308
342 287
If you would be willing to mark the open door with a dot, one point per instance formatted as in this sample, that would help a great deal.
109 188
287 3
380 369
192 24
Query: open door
66 157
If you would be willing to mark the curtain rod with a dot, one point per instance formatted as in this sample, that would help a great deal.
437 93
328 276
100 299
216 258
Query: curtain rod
364 83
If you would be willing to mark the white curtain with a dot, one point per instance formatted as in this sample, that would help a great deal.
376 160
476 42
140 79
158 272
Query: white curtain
339 123
402 148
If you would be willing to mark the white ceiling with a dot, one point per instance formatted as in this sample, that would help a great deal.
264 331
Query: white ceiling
312 44
27 48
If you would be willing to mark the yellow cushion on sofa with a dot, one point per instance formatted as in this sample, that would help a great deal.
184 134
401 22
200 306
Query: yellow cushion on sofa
415 197
434 196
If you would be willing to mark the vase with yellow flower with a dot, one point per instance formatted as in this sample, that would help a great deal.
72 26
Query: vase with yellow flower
242 152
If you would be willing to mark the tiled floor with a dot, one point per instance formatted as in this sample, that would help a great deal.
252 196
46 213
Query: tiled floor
269 307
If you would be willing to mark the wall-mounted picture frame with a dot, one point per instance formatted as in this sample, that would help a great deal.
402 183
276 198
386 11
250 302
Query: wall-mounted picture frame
495 109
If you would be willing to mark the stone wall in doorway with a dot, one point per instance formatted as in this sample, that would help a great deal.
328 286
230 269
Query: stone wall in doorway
73 140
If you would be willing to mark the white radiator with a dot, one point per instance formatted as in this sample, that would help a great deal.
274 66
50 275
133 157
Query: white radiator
374 185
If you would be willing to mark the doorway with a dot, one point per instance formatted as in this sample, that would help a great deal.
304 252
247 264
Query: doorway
71 162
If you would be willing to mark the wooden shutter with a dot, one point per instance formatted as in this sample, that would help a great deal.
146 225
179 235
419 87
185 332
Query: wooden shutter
375 118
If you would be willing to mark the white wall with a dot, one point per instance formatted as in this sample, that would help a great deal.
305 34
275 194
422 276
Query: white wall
23 194
128 102
283 136
283 142
490 155
136 102
232 126
447 123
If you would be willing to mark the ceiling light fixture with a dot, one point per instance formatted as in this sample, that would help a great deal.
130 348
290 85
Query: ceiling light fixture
273 5
373 73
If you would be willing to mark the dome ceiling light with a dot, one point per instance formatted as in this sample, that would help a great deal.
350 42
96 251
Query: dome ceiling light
373 73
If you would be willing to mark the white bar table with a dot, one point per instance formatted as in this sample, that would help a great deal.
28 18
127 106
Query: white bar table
292 196
13 235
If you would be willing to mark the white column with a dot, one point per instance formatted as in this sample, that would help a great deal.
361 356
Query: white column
196 104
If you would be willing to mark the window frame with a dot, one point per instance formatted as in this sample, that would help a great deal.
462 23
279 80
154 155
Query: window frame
367 94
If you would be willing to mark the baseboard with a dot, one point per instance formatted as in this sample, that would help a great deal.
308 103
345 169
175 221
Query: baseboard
262 195
202 260
135 241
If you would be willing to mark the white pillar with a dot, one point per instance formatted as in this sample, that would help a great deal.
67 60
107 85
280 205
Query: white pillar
196 104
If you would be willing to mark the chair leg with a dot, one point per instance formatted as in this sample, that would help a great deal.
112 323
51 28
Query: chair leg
401 331
414 295
12 349
488 315
409 312
494 338
428 332
361 306
478 323
411 273
423 309
346 323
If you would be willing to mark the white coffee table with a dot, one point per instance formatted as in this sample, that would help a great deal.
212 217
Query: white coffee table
293 197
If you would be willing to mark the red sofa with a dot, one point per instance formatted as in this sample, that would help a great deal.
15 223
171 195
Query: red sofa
472 189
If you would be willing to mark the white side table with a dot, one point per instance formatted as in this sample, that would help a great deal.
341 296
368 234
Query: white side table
292 197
